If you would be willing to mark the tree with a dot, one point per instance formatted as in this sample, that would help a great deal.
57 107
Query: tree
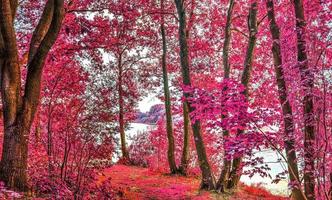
307 79
285 104
186 140
129 62
236 171
19 108
208 181
224 175
186 121
169 125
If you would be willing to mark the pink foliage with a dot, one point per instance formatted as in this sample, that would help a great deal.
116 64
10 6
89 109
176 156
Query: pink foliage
107 45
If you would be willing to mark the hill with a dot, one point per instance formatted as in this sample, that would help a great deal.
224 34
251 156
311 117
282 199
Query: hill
152 116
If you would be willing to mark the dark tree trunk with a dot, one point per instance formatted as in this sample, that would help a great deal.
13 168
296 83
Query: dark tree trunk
41 29
49 144
169 123
307 79
65 158
208 182
186 122
18 110
125 154
227 41
236 171
224 175
330 192
285 104
186 140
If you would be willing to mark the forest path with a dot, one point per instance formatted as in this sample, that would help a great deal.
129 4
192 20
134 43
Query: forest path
142 183
136 183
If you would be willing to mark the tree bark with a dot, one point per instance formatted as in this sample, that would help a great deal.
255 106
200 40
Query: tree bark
330 191
236 171
186 140
2 52
41 29
66 152
50 144
227 41
186 118
19 111
12 156
169 123
224 175
208 182
125 154
285 104
307 79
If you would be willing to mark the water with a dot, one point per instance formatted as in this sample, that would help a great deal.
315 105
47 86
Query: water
271 158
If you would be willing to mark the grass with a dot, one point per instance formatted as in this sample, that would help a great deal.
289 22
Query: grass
133 183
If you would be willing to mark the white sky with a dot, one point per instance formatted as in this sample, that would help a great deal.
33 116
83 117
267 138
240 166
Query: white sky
145 104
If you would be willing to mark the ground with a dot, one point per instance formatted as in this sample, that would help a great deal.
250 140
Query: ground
135 183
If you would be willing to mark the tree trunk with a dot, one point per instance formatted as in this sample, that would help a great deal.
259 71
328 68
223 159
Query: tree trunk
2 52
169 123
227 41
63 167
18 110
37 128
208 182
186 119
50 144
186 140
285 105
225 172
14 154
222 182
307 79
125 154
41 29
252 26
330 191
14 157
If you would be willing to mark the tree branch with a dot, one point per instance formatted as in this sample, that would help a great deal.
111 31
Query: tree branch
87 10
239 31
32 88
41 29
7 28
